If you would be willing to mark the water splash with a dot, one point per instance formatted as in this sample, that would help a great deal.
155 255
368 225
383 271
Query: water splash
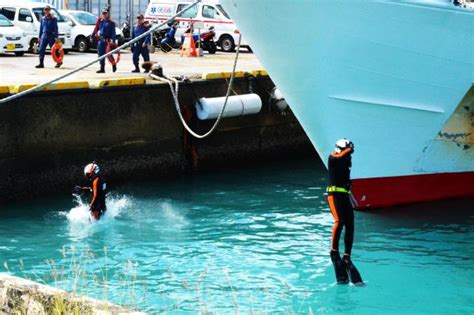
81 223
171 215
81 214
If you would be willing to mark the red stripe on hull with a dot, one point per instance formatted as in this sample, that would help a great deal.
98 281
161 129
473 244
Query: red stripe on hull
390 191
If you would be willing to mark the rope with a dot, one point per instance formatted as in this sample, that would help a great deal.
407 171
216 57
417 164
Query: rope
196 98
233 91
175 91
151 30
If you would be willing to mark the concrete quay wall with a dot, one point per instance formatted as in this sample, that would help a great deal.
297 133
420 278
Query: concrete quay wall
134 133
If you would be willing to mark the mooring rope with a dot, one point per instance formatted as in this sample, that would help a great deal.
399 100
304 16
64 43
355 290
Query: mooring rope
151 30
175 91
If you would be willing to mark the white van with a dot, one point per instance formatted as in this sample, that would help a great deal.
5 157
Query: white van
209 12
27 16
83 24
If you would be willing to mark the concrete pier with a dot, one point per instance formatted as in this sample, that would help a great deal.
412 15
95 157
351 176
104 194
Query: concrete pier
134 133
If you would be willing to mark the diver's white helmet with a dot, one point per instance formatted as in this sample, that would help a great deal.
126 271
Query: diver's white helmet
343 144
91 169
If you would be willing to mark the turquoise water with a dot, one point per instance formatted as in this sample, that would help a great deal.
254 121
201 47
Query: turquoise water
252 240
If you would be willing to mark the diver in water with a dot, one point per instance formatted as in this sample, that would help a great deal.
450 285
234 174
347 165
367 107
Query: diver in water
98 188
340 203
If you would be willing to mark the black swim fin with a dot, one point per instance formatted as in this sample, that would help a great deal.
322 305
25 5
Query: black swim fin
352 271
339 268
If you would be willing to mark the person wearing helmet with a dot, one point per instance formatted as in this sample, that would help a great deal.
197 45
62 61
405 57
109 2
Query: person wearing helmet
98 188
339 200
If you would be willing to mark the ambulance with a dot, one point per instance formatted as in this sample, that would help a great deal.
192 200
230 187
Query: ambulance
208 12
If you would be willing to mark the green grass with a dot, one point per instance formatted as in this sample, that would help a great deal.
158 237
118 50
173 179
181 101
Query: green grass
77 274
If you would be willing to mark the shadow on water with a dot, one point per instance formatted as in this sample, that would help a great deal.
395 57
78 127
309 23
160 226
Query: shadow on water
453 210
454 214
426 234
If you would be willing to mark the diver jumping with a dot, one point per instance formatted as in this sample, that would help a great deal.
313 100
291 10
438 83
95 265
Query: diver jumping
339 200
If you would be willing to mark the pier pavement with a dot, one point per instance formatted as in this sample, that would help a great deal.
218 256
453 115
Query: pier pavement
21 70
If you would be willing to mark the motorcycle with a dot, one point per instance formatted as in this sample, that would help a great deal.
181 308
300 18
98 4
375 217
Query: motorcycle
167 43
164 42
207 41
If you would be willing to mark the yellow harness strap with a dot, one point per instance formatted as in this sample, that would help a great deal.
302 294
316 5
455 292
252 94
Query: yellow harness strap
337 189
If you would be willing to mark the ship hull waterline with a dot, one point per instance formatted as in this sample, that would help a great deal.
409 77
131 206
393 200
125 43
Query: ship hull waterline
396 77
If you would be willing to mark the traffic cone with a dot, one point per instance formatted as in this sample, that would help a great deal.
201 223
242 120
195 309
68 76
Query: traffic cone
189 47
193 47
186 45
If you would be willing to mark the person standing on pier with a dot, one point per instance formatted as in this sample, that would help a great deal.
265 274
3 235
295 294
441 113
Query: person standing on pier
98 188
141 46
104 33
48 35
340 204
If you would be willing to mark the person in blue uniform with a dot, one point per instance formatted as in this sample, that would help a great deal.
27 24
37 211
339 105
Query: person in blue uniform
141 46
48 35
104 33
170 35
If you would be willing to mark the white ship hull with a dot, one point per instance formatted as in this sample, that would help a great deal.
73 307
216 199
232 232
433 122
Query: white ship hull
396 77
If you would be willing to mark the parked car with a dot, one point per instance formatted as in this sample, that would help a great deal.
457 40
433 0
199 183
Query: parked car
209 12
12 38
27 16
83 24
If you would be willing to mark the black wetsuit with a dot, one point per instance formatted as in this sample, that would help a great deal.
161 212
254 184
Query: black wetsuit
99 190
339 166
